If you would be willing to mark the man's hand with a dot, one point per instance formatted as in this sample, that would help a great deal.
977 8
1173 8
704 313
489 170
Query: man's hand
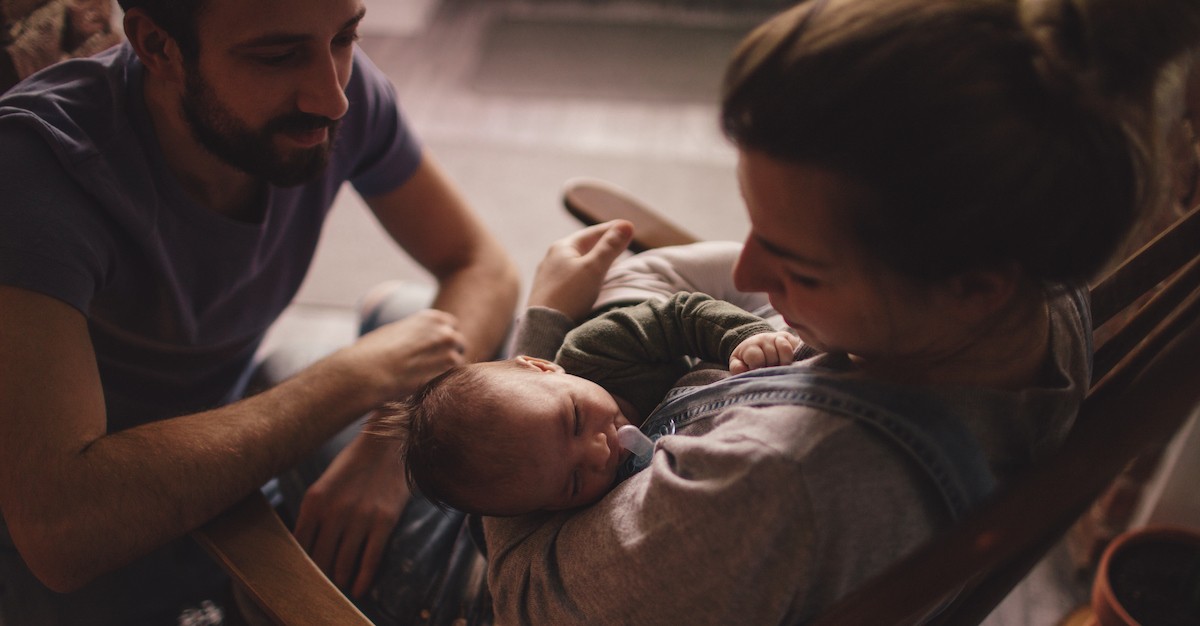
399 357
348 515
569 276
764 350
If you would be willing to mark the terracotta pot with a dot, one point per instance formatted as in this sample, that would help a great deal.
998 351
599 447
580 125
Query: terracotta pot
1149 577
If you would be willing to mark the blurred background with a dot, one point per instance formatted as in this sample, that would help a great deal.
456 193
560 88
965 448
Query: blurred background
515 97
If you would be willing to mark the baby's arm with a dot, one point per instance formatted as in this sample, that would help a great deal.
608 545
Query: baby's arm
763 350
637 352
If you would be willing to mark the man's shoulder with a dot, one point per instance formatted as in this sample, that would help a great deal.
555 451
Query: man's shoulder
93 75
74 104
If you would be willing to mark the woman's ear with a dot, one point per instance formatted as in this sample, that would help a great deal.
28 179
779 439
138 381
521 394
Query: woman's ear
978 294
541 365
155 48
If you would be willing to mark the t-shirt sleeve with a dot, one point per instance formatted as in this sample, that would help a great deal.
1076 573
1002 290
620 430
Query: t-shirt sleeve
51 241
390 153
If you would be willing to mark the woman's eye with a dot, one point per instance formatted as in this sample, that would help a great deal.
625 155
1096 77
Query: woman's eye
578 425
803 280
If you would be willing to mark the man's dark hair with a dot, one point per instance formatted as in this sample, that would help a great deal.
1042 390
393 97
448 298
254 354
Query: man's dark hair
176 17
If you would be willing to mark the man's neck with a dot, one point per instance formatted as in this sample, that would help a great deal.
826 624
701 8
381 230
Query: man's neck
210 181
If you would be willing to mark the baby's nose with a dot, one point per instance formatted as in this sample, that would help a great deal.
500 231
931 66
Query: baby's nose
599 451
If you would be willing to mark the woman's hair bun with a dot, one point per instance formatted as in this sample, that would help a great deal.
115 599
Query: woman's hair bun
1113 49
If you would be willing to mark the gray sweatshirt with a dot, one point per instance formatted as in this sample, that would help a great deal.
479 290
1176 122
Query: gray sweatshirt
766 513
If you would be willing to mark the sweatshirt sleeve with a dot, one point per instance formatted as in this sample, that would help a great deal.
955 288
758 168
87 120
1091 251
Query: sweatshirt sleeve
540 332
637 352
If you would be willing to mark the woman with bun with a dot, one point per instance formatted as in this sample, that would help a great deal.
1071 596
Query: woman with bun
929 184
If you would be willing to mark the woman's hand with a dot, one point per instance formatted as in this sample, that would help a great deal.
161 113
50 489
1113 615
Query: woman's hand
764 350
569 276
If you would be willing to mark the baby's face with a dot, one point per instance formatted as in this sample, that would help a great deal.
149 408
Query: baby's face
564 430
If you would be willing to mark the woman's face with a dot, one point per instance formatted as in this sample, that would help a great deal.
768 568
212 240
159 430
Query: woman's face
803 255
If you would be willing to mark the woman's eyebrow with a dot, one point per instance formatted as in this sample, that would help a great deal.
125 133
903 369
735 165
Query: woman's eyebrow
791 256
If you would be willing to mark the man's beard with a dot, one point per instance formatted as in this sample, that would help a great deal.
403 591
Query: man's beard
251 151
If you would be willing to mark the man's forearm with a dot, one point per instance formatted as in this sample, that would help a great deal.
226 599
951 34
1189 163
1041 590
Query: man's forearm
124 494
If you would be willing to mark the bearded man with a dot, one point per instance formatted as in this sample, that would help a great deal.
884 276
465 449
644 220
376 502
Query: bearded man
159 207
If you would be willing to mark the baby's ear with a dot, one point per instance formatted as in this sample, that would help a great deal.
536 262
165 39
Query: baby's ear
541 365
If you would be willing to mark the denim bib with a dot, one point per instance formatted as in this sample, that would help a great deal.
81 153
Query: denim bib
939 442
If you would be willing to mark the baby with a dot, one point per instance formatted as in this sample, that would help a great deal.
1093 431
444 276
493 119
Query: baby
528 434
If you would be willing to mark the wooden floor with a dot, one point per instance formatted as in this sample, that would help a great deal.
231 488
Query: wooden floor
511 129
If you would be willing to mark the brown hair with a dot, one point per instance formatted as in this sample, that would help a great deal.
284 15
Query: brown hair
176 17
987 132
450 444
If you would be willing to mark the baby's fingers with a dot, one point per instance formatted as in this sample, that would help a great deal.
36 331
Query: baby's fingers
786 344
750 355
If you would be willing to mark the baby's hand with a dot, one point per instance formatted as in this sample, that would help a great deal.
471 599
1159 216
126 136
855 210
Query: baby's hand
764 350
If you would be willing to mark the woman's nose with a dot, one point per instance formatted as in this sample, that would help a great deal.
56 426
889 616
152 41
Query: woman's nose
750 274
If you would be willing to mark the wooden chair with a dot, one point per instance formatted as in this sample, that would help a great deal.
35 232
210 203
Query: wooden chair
275 580
1146 385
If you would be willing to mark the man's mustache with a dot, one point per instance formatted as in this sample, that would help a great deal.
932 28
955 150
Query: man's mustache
299 123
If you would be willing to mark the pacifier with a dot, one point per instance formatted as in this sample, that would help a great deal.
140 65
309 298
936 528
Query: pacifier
631 438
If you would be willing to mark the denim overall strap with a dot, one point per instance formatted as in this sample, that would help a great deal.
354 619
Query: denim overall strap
1083 306
935 439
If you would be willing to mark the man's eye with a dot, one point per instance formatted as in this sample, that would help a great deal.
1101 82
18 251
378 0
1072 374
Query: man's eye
574 483
276 60
346 39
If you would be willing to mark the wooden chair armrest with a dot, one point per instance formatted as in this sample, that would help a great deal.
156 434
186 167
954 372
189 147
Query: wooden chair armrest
258 551
593 202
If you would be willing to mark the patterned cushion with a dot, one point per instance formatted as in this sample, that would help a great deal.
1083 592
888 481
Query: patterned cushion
37 33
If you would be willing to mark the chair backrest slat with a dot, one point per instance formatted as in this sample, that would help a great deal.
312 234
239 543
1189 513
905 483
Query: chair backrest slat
1134 330
1147 267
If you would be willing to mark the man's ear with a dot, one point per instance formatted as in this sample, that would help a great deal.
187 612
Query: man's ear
977 294
541 365
156 49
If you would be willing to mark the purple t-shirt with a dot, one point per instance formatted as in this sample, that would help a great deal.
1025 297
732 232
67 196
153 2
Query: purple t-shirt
177 296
